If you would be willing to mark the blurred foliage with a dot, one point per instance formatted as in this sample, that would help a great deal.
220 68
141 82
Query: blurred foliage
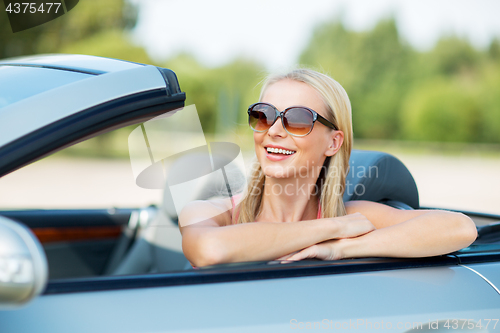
452 56
374 67
450 93
489 98
93 27
110 44
87 20
439 110
221 95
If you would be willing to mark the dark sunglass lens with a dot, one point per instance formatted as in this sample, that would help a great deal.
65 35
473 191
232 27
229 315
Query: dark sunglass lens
298 121
261 117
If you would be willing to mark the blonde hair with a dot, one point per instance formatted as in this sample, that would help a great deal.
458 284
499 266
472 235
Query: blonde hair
331 180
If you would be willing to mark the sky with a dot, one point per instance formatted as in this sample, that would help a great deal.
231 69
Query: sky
274 32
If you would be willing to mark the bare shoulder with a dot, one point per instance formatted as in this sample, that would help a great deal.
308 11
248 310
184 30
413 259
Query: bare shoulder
214 212
381 215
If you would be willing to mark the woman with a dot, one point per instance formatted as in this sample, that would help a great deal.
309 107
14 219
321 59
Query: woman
293 208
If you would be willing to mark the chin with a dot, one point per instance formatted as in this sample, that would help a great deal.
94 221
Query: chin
275 172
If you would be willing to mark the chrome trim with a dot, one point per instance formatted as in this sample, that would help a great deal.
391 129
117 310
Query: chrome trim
484 278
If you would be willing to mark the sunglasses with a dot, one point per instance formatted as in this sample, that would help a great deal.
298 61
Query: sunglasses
297 120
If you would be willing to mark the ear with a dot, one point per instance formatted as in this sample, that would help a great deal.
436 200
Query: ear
335 142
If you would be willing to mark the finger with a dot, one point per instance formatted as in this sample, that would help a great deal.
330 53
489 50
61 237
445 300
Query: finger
286 256
308 252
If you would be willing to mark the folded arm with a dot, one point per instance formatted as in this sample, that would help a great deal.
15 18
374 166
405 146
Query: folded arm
214 240
399 233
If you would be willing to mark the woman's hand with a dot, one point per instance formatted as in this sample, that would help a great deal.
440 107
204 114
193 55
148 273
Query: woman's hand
352 225
329 250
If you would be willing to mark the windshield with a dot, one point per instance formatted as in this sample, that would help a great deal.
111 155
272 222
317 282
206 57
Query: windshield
18 83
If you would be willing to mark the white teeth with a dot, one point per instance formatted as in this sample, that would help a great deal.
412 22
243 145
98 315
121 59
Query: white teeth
280 151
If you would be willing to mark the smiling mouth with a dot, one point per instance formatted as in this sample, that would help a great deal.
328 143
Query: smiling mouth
279 151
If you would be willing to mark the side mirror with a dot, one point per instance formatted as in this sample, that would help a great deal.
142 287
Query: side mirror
23 264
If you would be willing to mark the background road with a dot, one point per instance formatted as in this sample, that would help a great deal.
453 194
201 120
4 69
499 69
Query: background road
456 182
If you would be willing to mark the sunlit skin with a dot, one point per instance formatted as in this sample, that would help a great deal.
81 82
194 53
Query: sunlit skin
287 228
301 169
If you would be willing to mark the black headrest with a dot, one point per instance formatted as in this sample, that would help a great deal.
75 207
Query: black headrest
379 177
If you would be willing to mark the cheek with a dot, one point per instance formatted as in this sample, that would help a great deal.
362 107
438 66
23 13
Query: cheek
257 140
314 147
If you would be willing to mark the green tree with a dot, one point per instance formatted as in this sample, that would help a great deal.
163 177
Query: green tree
374 67
222 94
93 27
441 110
489 97
87 20
453 56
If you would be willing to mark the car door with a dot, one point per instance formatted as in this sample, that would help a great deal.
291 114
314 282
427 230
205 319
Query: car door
381 295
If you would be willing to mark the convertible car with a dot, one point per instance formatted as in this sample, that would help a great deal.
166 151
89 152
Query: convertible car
122 269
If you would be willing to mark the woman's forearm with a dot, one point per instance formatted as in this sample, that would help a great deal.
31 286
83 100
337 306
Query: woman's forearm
431 234
254 241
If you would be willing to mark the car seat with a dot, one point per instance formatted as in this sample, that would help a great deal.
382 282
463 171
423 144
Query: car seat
380 177
158 247
373 176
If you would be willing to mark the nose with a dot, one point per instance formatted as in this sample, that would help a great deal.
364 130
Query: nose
277 129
